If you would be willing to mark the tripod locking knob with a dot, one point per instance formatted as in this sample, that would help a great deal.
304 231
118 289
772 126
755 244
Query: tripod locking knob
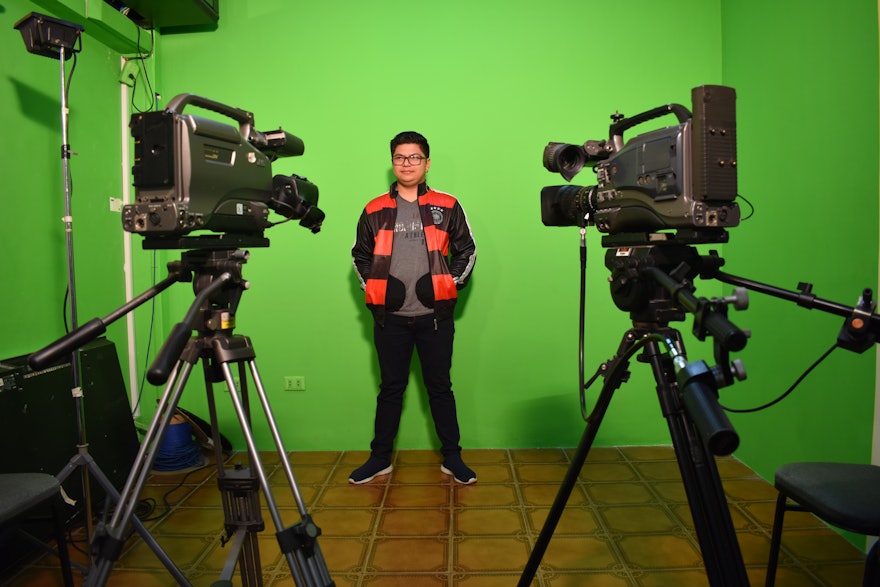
738 369
739 300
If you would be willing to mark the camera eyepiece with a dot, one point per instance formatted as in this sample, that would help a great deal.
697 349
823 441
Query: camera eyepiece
565 159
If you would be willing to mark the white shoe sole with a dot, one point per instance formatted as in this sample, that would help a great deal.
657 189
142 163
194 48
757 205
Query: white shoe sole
384 471
443 469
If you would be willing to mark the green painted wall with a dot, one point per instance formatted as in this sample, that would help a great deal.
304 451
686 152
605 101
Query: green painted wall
490 84
806 75
32 233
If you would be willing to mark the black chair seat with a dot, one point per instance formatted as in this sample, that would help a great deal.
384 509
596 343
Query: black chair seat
843 495
20 492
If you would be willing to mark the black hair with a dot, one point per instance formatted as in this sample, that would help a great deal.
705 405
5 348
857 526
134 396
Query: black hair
411 137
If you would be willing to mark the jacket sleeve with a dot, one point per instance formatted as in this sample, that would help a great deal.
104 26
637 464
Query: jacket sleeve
462 248
362 251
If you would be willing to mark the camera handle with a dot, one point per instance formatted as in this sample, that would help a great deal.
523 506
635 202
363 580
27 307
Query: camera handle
243 117
621 124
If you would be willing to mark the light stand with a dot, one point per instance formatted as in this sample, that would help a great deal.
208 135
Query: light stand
60 39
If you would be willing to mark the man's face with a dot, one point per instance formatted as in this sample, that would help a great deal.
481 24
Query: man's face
408 173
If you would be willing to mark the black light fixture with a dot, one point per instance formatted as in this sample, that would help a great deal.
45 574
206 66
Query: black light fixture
49 36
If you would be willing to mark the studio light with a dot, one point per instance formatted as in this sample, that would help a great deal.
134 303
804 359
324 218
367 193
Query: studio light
50 37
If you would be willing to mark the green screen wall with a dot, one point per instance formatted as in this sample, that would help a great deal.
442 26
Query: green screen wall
489 84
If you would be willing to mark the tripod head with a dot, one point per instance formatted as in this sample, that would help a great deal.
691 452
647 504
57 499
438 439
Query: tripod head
654 284
218 283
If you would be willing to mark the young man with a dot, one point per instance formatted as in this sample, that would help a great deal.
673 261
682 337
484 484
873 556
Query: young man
413 251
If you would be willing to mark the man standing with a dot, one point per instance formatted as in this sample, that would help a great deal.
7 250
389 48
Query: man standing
413 251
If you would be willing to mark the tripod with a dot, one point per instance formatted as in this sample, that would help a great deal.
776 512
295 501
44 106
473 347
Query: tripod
687 393
217 280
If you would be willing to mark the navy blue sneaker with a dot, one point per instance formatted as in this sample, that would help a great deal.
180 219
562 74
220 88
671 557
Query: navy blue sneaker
369 470
453 465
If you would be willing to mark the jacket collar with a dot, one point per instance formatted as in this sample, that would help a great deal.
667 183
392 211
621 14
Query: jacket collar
423 189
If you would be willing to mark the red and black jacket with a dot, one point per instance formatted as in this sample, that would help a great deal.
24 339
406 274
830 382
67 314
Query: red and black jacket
450 243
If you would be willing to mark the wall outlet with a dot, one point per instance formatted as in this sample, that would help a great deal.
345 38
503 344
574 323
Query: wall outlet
294 383
129 73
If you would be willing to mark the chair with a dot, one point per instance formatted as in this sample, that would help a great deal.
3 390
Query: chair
21 492
843 495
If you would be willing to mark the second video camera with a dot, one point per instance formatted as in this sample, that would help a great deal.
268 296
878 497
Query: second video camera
196 174
681 177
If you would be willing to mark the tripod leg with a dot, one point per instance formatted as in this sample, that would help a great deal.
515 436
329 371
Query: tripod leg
112 540
614 378
308 566
721 553
314 563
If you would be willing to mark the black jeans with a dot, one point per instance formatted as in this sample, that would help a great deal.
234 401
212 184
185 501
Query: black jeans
395 342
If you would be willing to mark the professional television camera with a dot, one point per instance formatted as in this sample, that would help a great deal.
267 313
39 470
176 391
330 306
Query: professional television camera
682 177
196 174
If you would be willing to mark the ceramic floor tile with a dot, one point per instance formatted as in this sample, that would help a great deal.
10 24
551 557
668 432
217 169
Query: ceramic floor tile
484 521
541 473
493 473
658 470
485 495
186 552
417 474
579 553
547 494
620 493
491 554
410 496
414 522
627 523
345 522
403 555
659 551
600 471
601 454
573 520
344 555
638 519
538 455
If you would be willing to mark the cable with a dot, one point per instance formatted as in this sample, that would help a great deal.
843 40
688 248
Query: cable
787 391
178 450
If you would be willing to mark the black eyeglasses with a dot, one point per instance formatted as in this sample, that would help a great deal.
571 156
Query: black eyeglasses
412 159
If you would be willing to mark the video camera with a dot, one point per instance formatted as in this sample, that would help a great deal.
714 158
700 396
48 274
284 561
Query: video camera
197 174
681 177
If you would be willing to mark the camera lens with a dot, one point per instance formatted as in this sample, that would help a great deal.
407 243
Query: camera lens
564 205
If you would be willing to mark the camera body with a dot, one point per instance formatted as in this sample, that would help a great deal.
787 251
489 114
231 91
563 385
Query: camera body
681 177
197 174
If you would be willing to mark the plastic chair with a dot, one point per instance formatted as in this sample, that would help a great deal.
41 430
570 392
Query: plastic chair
21 492
843 495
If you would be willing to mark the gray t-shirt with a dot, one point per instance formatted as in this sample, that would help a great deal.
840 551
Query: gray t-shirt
409 258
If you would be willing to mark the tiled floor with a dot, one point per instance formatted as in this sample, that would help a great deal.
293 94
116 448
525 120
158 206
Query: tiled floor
627 523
